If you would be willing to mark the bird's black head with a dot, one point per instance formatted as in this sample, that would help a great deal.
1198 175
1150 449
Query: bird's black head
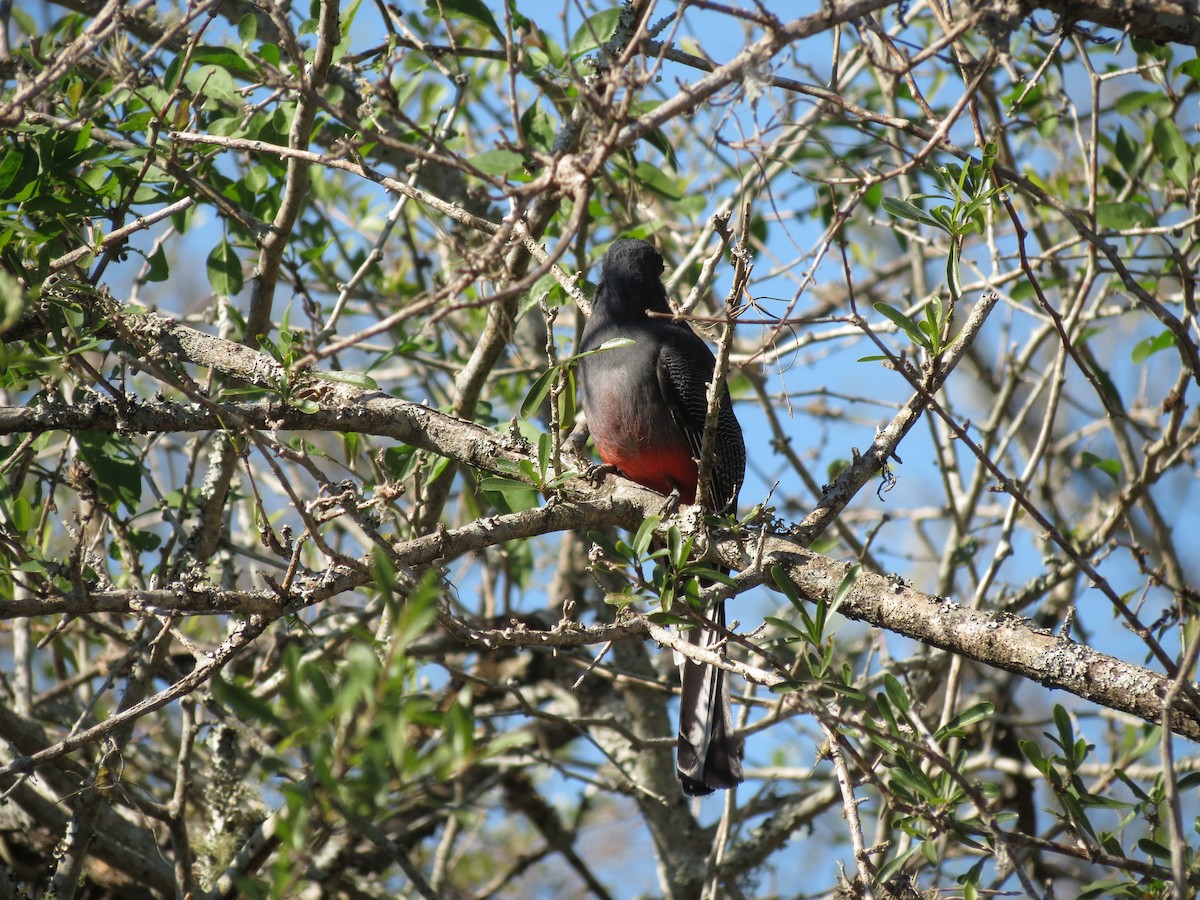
632 258
630 279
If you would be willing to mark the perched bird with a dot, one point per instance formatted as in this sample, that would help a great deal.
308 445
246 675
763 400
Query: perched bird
646 404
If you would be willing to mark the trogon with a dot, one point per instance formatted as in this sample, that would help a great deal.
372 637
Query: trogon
646 405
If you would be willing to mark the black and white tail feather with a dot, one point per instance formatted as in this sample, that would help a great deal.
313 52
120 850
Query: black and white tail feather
707 755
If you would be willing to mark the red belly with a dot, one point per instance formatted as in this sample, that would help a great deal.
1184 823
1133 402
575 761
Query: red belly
660 469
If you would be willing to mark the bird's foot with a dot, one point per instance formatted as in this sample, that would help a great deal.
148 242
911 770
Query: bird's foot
671 504
597 473
576 444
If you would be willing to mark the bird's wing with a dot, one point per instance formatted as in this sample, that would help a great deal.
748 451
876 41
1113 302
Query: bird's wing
685 368
684 371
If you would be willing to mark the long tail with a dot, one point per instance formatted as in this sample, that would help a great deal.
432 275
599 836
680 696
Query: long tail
708 756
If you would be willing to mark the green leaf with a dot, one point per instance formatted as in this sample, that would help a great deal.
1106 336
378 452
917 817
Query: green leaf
658 181
539 128
1153 848
1147 347
566 404
786 627
1108 888
501 484
537 393
1173 150
788 589
902 209
1133 786
25 22
1190 68
848 691
645 534
418 610
21 515
18 172
117 473
247 28
707 573
545 447
1033 753
1110 467
475 10
12 301
1126 150
895 692
1131 101
226 58
355 379
610 344
915 782
225 270
967 717
953 274
1066 730
1119 215
517 494
1102 801
500 163
676 552
844 588
460 728
620 601
666 618
594 33
660 141
970 881
893 866
213 82
904 323
786 687
243 703
605 543
157 268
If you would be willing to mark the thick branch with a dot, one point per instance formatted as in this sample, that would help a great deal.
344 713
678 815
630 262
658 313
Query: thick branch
1174 21
1000 640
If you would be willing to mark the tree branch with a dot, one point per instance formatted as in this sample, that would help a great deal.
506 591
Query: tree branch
999 640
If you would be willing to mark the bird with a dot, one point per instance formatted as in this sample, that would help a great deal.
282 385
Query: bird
645 404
